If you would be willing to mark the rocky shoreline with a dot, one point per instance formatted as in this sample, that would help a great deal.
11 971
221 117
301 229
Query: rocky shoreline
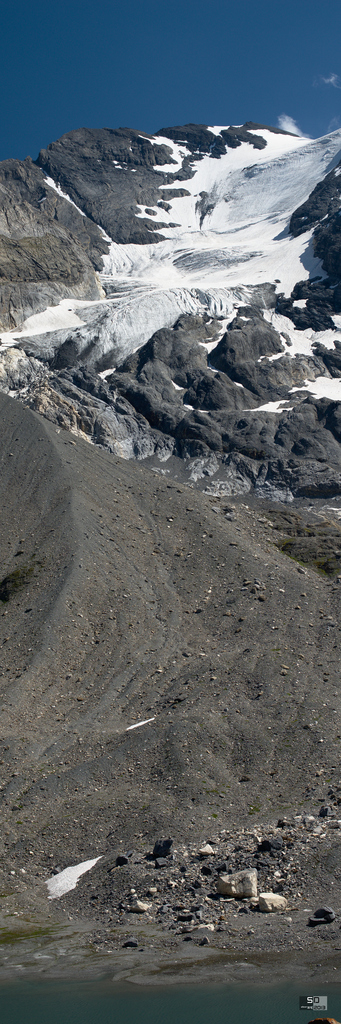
260 892
268 894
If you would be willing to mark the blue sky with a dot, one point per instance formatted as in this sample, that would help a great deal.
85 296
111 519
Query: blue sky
150 64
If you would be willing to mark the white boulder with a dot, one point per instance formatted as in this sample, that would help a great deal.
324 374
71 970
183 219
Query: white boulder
138 907
239 884
270 902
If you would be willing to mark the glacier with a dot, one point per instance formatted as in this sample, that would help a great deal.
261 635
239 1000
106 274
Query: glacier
231 235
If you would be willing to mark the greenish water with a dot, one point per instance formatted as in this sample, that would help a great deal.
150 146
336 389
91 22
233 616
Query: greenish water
104 1003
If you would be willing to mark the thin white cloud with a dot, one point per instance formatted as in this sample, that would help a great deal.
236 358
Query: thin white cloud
287 124
332 79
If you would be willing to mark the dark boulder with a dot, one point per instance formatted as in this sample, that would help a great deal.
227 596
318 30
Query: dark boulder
162 848
270 845
326 812
325 915
121 860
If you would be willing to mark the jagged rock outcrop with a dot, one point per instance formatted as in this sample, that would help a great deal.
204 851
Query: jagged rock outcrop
327 245
19 371
311 305
322 203
229 442
321 211
198 138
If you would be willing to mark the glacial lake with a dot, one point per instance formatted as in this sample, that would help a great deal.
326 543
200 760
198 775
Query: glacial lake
102 1002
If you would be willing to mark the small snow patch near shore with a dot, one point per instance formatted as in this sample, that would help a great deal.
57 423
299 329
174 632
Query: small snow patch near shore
66 880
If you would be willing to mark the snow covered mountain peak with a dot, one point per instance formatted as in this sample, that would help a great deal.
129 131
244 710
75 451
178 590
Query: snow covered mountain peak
228 223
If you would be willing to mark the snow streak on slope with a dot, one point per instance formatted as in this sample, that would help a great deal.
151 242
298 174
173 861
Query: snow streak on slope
64 195
54 318
323 387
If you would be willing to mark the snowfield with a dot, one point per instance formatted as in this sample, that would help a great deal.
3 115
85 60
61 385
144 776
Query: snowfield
232 230
231 234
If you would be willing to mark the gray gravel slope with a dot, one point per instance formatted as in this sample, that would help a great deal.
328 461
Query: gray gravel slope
136 599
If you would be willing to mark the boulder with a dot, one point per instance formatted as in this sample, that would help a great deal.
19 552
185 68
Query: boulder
138 907
271 902
162 848
239 884
268 845
325 915
222 868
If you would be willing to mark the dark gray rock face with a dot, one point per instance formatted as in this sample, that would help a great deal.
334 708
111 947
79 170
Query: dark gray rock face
327 244
247 339
330 357
321 211
178 349
321 302
48 250
177 357
323 202
108 173
298 450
